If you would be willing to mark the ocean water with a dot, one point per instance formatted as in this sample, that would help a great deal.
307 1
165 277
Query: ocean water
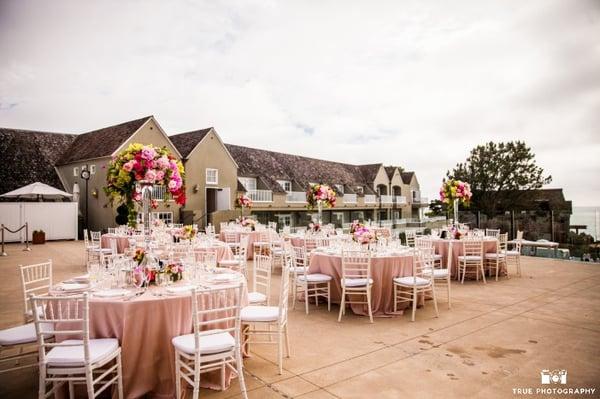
589 216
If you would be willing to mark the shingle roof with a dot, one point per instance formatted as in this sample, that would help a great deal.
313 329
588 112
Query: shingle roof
407 177
102 142
29 156
186 142
390 170
370 171
271 166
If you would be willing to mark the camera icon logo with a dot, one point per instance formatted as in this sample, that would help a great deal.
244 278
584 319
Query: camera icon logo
554 377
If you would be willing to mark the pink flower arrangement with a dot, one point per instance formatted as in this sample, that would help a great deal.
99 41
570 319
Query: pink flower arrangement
248 222
455 190
363 235
314 227
320 193
143 163
243 201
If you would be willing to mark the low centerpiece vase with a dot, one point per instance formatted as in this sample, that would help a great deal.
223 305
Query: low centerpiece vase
320 214
455 209
146 189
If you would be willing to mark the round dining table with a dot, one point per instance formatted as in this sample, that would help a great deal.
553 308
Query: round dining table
451 249
253 236
383 270
145 325
122 241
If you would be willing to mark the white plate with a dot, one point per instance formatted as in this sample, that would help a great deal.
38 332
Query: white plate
73 286
111 293
179 289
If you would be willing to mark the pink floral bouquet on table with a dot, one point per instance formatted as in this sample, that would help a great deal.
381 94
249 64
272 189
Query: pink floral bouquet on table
148 164
455 190
249 222
355 226
320 193
187 232
314 227
243 201
363 235
173 270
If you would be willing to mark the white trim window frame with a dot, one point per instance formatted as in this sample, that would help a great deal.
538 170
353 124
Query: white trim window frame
286 185
212 176
92 169
75 171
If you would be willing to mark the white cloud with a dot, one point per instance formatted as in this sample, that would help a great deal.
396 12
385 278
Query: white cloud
405 83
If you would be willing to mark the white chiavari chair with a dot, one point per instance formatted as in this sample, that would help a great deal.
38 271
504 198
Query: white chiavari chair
492 232
472 258
215 343
310 285
495 261
356 280
409 237
260 320
93 362
299 264
262 245
408 288
310 244
261 281
35 280
513 256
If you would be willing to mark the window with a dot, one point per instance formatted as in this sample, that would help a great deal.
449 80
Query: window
359 189
166 217
212 176
92 169
286 184
249 183
83 167
340 188
76 172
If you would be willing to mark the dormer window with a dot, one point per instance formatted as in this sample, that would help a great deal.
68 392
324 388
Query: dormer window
360 189
286 185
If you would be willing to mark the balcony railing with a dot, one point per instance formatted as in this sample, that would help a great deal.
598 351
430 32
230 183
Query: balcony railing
158 193
260 195
400 199
386 199
350 198
370 199
296 196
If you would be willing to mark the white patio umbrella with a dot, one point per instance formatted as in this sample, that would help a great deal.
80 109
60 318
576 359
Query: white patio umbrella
36 190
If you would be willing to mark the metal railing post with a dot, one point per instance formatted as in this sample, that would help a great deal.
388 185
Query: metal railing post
26 237
3 253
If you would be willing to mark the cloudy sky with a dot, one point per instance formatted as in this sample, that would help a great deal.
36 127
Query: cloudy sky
410 83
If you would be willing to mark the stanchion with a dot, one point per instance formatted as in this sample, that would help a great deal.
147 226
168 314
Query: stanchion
26 227
3 253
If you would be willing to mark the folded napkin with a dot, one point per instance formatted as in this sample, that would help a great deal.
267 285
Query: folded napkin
111 293
179 289
73 286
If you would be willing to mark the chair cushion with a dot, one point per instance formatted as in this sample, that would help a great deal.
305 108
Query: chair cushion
257 297
259 313
18 335
356 282
469 258
437 256
211 341
437 273
73 355
297 269
513 253
315 278
494 256
411 281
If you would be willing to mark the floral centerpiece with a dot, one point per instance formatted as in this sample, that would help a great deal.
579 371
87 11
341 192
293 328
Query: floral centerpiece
363 235
454 192
243 201
141 166
314 227
187 232
319 196
173 271
139 256
249 222
158 223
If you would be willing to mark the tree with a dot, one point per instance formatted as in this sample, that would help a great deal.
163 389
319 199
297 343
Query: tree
500 175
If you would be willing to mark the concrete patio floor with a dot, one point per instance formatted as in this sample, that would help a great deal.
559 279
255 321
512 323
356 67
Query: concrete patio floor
496 338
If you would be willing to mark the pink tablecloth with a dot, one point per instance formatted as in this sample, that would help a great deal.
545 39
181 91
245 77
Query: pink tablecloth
252 237
145 327
223 251
442 247
383 271
122 242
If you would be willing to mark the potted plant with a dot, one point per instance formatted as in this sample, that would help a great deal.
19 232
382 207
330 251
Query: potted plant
39 237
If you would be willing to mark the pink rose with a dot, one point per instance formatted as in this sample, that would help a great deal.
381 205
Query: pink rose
162 162
148 153
129 166
150 176
160 175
